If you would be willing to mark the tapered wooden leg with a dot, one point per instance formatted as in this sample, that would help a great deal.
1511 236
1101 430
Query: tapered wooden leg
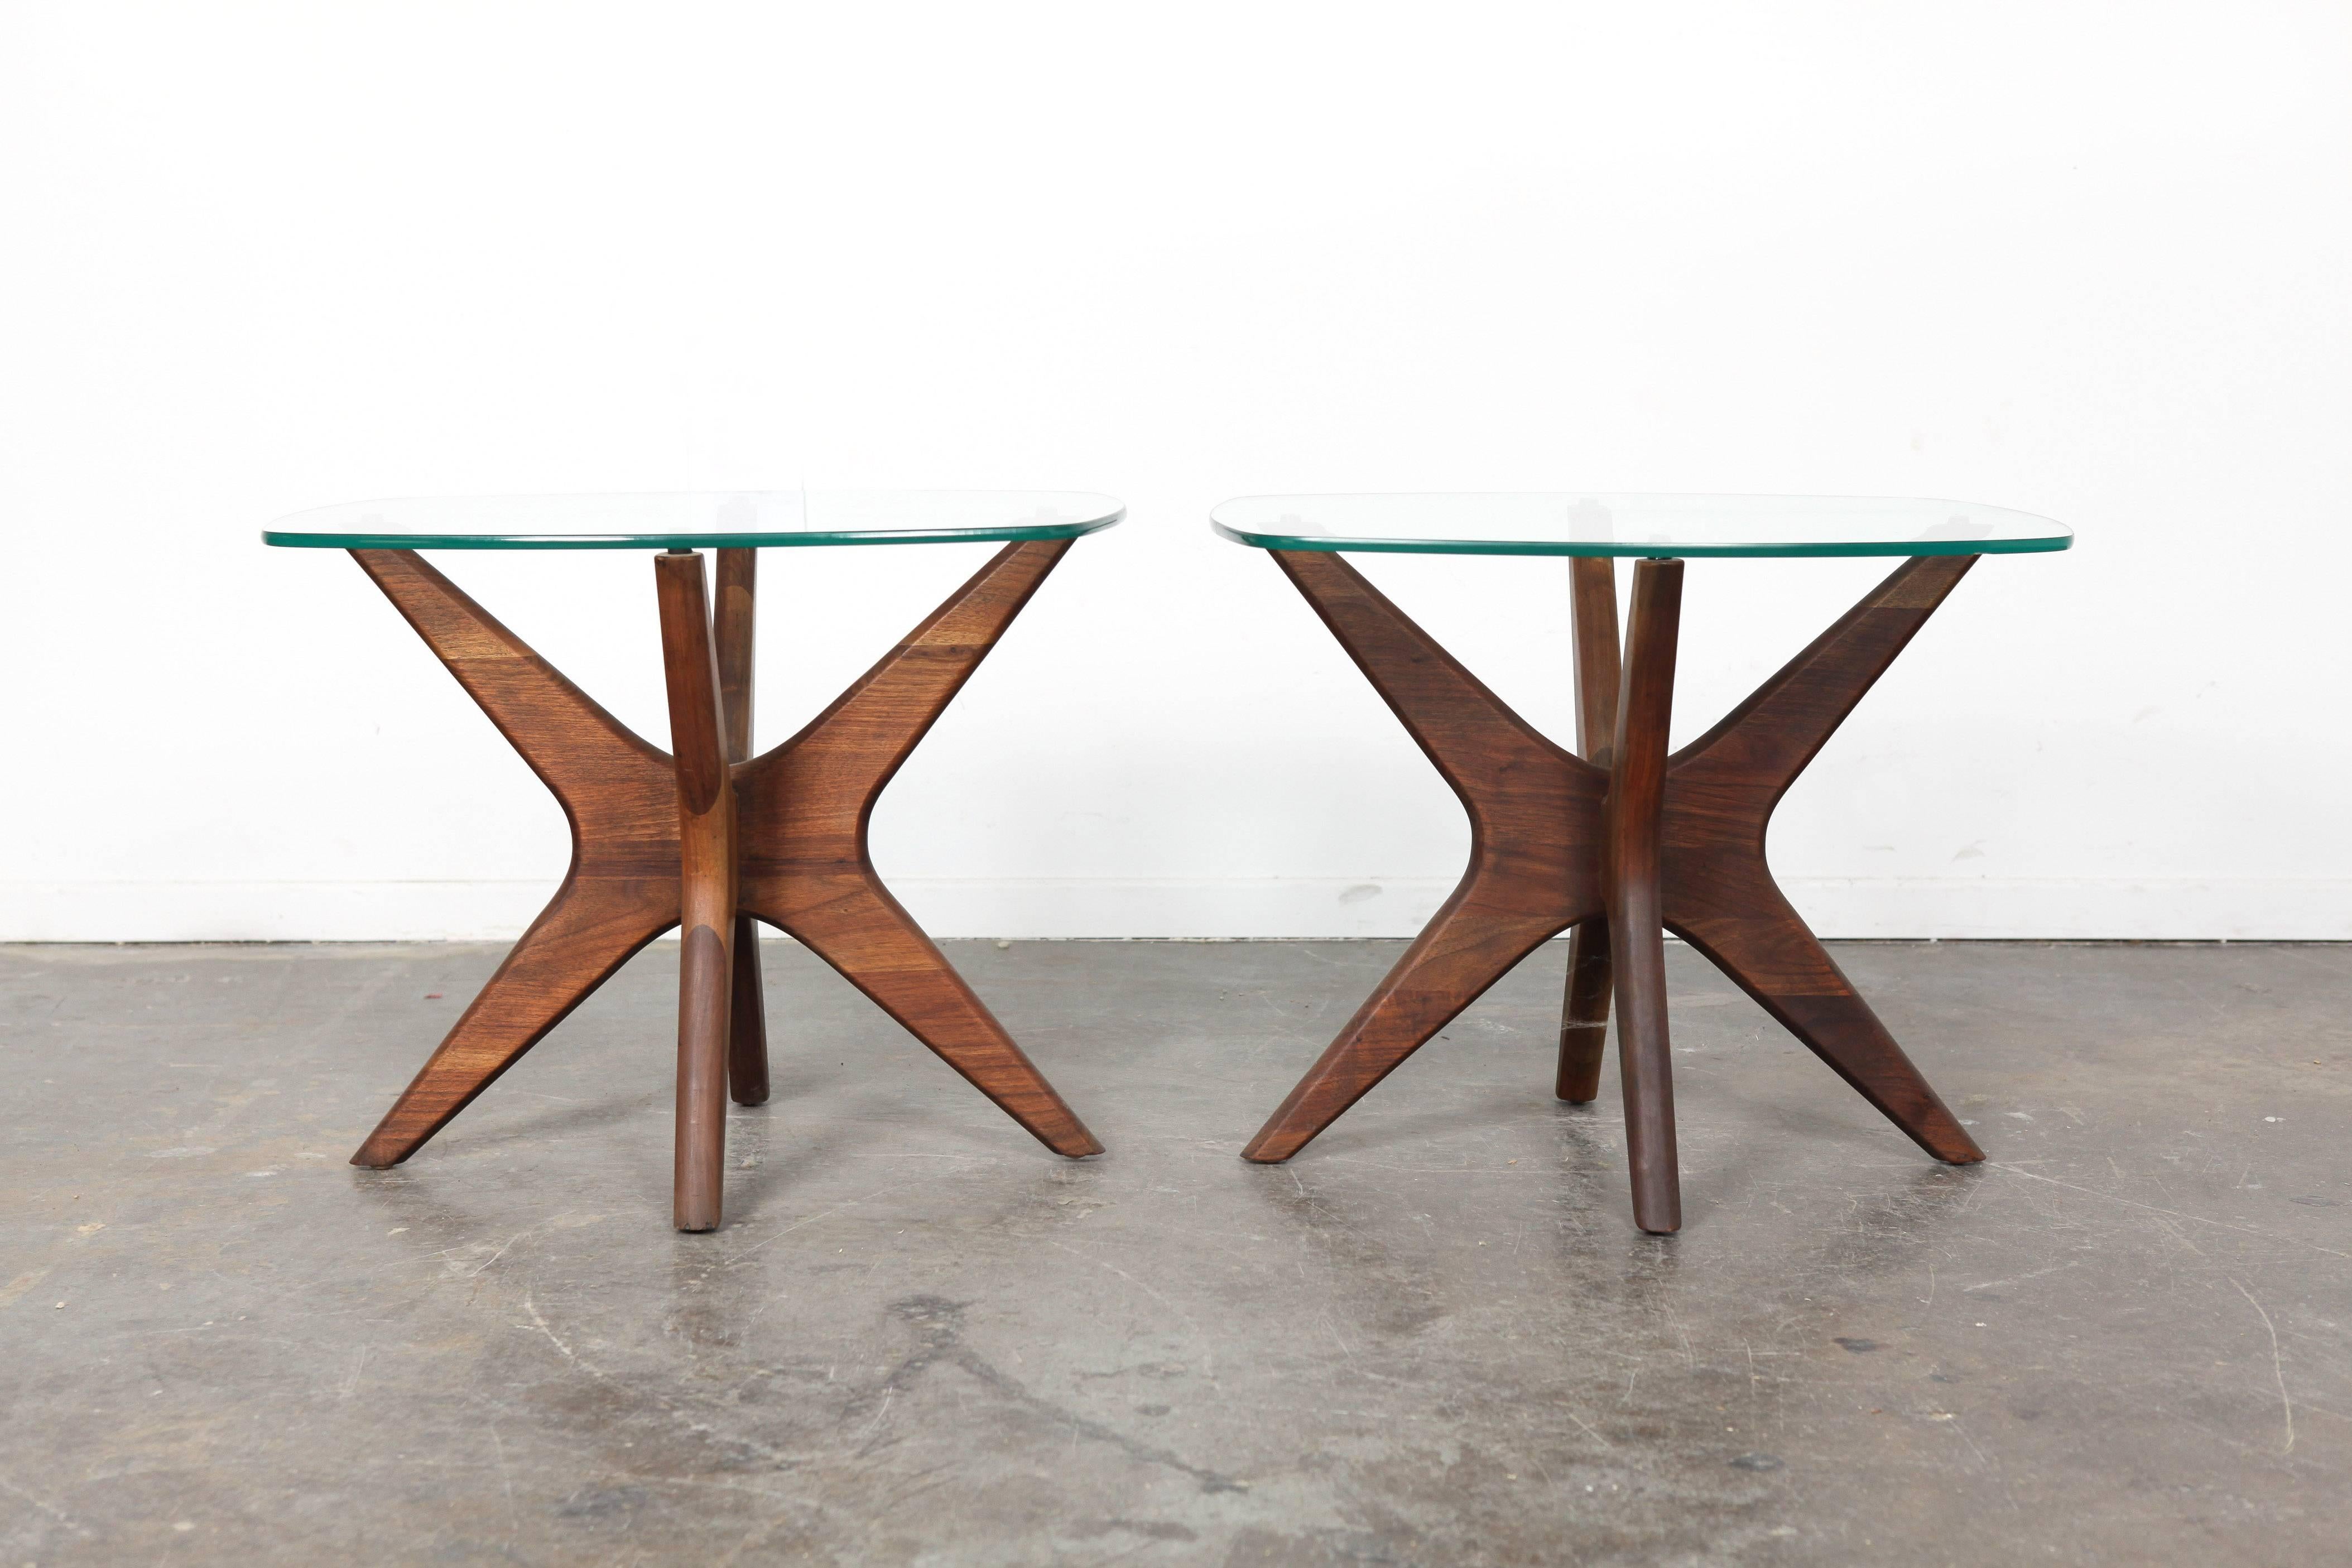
1636 936
583 936
732 622
804 808
1770 953
706 814
1584 1012
621 890
1473 942
747 1019
854 924
1534 823
1720 896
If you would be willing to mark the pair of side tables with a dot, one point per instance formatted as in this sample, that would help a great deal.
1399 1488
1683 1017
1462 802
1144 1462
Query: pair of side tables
1617 841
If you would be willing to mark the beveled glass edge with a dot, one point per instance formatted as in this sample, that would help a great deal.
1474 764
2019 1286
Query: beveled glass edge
689 540
1635 551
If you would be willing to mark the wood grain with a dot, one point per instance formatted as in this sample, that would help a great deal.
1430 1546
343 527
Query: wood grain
1720 896
1534 831
619 799
1637 937
655 838
707 859
1684 851
806 806
1584 1010
733 619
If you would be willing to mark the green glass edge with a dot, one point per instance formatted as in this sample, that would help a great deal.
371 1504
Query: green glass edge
1637 551
683 540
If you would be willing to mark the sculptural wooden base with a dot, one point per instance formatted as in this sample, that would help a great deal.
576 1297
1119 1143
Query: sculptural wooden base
1623 844
711 838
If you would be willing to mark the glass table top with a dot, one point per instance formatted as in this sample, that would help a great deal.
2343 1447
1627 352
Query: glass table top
1569 523
738 519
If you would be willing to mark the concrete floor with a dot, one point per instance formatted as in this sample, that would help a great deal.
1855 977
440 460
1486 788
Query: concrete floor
1434 1338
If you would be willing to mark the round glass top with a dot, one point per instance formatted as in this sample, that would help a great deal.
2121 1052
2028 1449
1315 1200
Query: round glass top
718 519
1568 523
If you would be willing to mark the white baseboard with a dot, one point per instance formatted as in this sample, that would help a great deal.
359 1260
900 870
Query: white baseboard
2053 909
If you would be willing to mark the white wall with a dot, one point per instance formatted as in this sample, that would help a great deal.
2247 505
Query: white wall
2086 259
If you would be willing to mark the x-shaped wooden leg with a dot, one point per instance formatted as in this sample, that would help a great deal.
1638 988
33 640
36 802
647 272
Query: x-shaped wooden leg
1623 844
703 838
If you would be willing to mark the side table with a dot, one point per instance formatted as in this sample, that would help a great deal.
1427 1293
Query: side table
707 835
1624 842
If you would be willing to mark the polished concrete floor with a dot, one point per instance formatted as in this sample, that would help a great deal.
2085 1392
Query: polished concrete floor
1433 1338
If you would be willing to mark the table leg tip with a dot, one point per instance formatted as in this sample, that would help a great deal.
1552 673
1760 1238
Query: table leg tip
1659 1219
1945 1139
